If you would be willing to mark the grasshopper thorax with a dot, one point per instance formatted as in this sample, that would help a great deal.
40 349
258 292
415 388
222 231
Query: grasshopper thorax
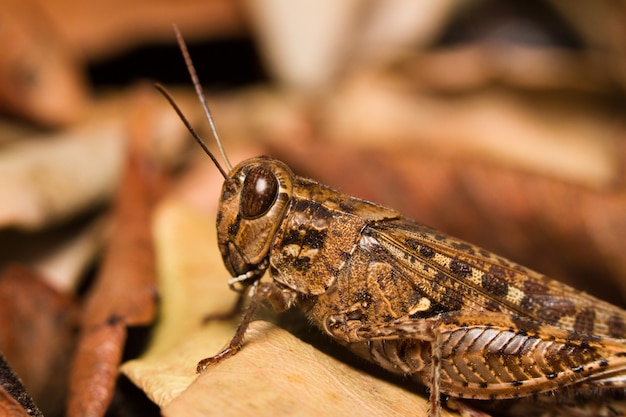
254 199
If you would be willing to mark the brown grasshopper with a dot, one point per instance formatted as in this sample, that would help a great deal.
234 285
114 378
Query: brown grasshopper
463 321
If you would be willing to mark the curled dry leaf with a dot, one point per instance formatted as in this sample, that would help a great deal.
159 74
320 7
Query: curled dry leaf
37 334
124 293
95 368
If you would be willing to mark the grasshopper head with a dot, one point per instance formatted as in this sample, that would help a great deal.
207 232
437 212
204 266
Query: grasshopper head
255 196
254 199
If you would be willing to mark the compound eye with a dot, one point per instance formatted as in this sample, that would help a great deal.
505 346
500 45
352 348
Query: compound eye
260 189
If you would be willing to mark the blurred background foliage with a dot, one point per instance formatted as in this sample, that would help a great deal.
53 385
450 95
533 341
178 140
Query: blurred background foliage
500 122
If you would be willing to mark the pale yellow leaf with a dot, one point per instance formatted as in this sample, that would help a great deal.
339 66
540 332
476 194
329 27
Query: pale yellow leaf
276 374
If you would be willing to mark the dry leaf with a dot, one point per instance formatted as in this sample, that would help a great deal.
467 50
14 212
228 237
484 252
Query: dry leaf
41 79
124 293
192 283
278 374
47 180
95 368
37 334
570 138
99 28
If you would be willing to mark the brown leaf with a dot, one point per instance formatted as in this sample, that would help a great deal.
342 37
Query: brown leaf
124 293
95 31
37 334
95 368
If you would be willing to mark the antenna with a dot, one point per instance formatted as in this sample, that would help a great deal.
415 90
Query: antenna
200 93
193 132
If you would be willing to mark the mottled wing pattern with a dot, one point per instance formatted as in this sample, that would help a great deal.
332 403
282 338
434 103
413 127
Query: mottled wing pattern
457 276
